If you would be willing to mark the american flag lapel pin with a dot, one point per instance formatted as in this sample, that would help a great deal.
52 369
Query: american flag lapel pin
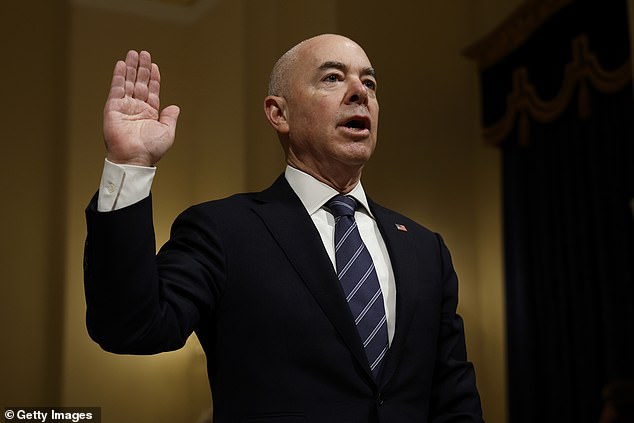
400 227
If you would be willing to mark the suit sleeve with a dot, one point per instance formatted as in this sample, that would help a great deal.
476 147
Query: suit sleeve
454 394
139 302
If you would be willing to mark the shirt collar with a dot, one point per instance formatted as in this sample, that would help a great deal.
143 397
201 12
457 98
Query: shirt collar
314 194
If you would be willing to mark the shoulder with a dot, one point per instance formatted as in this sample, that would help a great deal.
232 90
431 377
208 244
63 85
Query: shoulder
239 208
233 207
278 192
402 222
424 238
426 244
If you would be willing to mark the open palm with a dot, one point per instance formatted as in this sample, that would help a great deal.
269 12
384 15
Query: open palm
135 130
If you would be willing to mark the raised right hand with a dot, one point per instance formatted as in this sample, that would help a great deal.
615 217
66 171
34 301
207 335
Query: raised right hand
135 130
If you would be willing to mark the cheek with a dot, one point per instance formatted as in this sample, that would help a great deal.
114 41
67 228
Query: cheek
318 121
375 113
315 111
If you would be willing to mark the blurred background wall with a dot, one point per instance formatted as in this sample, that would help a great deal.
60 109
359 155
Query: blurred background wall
215 57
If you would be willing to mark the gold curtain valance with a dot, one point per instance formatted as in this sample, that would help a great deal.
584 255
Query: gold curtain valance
523 100
515 59
513 31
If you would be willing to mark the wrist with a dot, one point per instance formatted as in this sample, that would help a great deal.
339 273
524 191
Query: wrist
134 161
130 164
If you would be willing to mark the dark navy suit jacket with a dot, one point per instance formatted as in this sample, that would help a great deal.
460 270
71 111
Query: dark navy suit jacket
249 274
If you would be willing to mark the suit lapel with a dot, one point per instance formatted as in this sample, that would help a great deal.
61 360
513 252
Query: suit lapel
286 218
403 259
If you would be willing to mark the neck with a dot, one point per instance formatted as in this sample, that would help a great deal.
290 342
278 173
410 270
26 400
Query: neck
343 180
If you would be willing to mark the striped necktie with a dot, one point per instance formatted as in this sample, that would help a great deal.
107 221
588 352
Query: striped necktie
359 281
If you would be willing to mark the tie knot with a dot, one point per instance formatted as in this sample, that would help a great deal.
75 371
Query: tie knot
342 205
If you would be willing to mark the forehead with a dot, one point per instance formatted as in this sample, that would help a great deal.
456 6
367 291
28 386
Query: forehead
316 52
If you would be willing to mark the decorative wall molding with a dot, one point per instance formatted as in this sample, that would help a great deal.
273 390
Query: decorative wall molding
523 100
513 31
179 11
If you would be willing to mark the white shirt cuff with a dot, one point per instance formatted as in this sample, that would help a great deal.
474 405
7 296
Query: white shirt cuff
123 185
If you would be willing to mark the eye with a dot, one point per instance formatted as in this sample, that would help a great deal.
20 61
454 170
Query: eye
331 78
370 84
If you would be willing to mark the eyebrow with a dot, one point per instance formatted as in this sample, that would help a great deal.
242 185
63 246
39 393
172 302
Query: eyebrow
343 67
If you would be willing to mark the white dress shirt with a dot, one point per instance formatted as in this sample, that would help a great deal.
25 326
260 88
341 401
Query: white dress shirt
124 185
314 195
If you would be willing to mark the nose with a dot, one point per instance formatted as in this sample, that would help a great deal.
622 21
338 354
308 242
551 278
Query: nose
357 92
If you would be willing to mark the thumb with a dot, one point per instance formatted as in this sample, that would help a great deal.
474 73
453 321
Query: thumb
169 116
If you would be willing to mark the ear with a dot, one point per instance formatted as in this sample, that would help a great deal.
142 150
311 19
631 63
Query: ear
276 111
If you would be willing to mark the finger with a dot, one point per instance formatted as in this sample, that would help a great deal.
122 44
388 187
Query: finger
131 62
117 86
169 117
143 76
154 87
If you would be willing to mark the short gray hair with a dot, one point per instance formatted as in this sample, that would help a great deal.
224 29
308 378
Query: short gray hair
280 74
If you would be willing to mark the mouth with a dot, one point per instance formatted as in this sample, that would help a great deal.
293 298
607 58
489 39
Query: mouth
357 124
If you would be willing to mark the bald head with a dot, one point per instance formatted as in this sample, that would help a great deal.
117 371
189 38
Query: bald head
322 103
278 82
281 74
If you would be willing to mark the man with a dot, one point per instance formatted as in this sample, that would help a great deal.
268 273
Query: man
310 306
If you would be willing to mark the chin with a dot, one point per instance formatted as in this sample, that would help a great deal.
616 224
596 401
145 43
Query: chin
358 158
362 150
